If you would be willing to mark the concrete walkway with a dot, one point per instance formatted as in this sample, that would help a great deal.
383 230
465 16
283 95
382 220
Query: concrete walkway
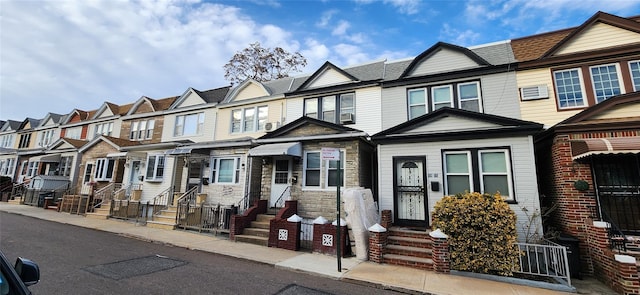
398 278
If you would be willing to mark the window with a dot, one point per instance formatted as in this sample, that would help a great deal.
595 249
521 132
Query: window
24 140
46 138
312 169
249 119
6 141
225 170
634 69
442 97
104 169
606 82
65 165
317 172
569 89
432 98
142 129
32 168
458 174
469 96
417 103
87 173
74 133
104 129
155 167
192 124
7 167
339 109
481 170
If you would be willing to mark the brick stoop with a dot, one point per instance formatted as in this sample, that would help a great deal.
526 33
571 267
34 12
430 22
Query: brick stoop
408 247
15 200
165 220
258 232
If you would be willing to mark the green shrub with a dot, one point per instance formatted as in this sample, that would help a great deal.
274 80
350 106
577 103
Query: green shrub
482 232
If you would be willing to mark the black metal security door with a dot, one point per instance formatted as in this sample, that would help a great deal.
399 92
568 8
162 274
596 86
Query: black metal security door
617 184
410 198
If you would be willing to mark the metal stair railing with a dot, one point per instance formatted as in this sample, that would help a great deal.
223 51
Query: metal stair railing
160 202
247 201
184 201
280 202
106 194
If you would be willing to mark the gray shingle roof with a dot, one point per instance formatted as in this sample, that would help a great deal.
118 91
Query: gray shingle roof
394 69
367 72
496 54
214 95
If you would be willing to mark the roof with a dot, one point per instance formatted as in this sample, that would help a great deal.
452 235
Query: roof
213 95
302 121
535 47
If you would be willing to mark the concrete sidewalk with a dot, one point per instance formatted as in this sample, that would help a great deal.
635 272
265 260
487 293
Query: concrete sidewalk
398 278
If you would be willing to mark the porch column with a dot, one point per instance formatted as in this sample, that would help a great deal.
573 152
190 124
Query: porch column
440 255
377 242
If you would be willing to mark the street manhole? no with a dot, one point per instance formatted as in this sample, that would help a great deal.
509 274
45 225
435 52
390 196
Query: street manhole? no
134 267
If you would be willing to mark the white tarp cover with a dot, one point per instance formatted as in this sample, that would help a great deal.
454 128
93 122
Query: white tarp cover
362 213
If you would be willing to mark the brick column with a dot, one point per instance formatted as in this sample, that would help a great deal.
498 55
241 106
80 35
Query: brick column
324 237
626 275
285 233
440 255
377 242
385 219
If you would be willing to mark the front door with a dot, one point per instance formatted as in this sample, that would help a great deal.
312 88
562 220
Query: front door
410 197
135 177
280 190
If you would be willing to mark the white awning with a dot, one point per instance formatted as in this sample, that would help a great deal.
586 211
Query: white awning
179 151
277 149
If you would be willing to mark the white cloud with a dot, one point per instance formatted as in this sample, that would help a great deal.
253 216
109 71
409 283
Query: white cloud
341 28
405 6
325 19
349 55
456 36
79 54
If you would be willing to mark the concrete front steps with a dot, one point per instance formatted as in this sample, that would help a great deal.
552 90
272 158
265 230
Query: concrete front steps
15 201
258 233
100 213
408 247
165 220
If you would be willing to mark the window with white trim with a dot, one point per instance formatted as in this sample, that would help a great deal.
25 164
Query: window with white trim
7 167
606 81
249 119
320 174
65 165
141 130
46 138
192 124
479 170
155 167
634 69
32 168
569 88
338 109
87 173
104 169
6 141
73 133
105 128
225 170
427 99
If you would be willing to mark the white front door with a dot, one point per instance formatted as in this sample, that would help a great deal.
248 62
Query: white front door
280 189
134 179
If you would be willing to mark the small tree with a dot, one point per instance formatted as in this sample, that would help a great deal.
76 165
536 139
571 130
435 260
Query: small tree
482 232
262 64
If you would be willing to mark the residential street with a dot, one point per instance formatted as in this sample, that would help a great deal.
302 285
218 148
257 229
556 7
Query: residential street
76 260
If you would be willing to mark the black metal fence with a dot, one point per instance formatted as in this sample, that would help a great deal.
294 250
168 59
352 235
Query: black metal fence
205 217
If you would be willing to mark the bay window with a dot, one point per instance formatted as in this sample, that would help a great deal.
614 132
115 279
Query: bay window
155 167
480 170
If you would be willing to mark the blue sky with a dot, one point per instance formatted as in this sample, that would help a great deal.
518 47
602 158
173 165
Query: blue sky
64 54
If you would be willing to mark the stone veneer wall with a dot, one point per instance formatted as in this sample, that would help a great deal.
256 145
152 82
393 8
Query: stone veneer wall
99 150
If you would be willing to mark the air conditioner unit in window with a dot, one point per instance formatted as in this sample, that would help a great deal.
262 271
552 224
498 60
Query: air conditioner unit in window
534 92
270 126
346 118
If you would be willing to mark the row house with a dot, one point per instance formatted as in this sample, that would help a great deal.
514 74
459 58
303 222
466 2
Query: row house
582 83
